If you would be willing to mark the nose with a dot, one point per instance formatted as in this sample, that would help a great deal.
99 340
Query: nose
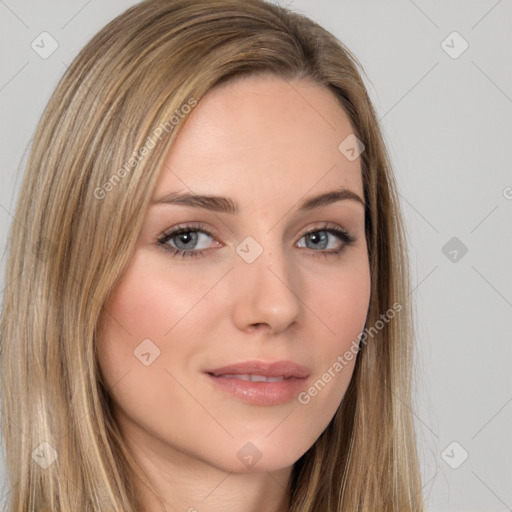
267 294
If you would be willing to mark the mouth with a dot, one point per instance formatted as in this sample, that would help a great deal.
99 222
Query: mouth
252 377
259 382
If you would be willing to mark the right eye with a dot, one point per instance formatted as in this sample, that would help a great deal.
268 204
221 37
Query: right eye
183 236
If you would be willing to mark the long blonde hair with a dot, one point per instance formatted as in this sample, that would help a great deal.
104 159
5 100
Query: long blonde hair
78 217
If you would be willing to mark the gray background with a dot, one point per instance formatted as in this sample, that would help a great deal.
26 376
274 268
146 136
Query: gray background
446 117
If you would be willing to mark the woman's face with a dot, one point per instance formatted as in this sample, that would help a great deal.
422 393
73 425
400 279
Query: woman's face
252 291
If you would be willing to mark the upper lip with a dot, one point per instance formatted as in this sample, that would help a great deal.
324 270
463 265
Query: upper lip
286 369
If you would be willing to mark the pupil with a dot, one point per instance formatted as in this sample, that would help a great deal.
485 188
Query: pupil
185 238
317 238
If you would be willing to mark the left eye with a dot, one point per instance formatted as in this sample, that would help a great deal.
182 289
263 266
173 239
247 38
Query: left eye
320 238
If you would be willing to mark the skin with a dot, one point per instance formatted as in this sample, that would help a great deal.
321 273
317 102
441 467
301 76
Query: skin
267 143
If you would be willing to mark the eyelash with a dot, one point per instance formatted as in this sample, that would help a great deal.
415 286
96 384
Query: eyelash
347 238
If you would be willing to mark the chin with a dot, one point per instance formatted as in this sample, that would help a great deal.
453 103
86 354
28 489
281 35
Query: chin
258 457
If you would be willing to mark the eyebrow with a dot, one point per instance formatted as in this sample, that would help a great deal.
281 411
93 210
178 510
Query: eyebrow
222 204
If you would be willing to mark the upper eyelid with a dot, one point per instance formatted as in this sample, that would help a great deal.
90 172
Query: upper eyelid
185 228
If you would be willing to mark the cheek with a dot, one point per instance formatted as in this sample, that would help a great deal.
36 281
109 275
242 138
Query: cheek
341 305
150 300
341 302
345 304
147 307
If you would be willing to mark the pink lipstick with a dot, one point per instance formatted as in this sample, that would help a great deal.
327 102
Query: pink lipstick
261 382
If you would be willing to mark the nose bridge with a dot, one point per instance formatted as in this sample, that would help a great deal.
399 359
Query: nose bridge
264 255
268 286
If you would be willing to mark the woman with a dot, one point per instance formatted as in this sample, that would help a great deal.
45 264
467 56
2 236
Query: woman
209 299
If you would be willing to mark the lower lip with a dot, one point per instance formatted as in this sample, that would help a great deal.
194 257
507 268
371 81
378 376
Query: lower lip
260 393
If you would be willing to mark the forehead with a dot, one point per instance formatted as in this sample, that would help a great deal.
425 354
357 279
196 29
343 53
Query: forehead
262 135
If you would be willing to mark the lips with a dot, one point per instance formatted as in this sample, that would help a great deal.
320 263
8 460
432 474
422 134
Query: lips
252 378
260 382
285 369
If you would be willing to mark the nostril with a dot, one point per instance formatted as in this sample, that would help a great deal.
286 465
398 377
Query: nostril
257 325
